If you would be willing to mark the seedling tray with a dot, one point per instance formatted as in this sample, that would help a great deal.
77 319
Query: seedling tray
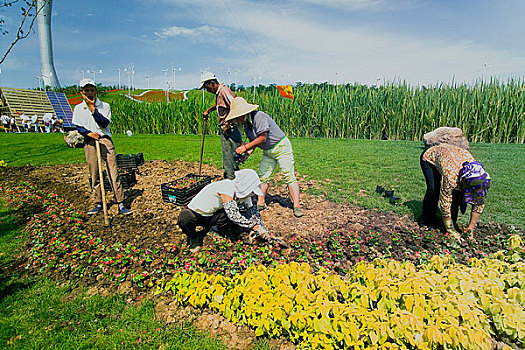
128 179
130 161
182 190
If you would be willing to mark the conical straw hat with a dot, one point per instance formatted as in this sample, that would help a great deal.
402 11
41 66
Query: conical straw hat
240 107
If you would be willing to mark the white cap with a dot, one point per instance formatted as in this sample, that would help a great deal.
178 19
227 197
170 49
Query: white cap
85 82
206 77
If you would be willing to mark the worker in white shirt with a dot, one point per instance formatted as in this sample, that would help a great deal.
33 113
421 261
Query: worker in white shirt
5 122
34 122
46 119
26 122
12 122
92 118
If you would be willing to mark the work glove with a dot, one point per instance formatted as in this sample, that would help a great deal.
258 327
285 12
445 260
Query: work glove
226 128
262 234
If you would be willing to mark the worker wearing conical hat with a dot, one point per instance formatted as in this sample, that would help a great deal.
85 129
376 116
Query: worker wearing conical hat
263 132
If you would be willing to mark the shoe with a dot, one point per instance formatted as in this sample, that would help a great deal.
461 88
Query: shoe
196 249
394 200
194 242
298 212
95 210
261 207
125 211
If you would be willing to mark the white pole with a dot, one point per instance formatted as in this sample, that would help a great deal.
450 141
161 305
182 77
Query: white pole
166 79
118 70
132 74
129 82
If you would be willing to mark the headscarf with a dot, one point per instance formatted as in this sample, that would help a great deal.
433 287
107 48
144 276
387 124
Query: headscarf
246 182
475 182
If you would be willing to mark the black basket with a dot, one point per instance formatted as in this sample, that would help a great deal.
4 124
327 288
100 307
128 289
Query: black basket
128 179
182 196
129 161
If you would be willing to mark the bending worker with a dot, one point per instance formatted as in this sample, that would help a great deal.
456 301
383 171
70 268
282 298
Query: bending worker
230 136
453 177
263 132
217 204
92 118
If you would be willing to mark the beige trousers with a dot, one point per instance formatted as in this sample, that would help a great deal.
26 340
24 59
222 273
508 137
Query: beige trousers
107 153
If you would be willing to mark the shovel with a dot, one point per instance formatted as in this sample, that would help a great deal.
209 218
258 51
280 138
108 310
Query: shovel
202 144
101 177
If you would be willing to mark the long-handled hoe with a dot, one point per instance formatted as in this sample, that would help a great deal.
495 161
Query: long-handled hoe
202 144
101 177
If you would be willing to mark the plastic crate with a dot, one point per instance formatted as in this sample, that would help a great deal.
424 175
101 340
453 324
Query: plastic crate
182 196
130 161
128 179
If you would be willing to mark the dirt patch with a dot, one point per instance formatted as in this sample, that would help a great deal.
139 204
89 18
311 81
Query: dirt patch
341 234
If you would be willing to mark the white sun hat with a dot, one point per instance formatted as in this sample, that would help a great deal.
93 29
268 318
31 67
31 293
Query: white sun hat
206 77
246 182
86 81
239 107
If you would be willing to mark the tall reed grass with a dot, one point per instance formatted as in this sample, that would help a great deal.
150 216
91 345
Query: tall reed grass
486 112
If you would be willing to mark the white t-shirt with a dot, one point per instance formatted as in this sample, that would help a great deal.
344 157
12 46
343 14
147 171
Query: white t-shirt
46 118
34 118
83 117
208 200
5 119
25 118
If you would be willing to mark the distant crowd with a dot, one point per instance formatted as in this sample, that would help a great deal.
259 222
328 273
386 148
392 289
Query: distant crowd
48 123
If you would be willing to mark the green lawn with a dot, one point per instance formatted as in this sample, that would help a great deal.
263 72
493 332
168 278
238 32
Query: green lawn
354 166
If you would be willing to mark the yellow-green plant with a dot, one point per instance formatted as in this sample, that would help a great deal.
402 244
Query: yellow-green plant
383 304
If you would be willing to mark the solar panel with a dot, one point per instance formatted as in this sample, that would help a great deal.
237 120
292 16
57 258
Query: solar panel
62 108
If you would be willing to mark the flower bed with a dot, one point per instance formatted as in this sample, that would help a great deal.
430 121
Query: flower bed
295 293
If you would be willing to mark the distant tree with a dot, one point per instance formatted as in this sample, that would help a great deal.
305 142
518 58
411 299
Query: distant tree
29 11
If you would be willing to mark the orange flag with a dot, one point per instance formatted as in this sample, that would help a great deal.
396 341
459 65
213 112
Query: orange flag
286 91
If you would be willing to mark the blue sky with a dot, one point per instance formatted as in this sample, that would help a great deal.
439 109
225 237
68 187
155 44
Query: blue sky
268 41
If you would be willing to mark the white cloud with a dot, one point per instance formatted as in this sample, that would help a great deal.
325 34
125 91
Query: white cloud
361 4
202 33
287 42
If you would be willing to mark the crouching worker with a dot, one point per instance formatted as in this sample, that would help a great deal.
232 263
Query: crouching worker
92 118
218 203
454 178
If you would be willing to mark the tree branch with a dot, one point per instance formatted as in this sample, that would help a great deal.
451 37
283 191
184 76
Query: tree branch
20 34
